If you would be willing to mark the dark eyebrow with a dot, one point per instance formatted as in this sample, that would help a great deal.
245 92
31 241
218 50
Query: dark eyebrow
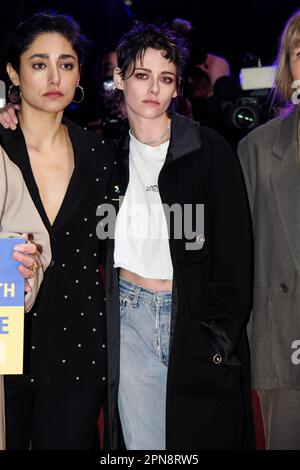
143 68
150 71
46 56
169 73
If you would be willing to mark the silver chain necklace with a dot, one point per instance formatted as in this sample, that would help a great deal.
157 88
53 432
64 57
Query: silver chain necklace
156 141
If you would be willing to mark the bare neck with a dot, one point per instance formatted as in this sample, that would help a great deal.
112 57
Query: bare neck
148 130
42 131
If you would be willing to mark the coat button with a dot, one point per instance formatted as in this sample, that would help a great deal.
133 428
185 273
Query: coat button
284 288
217 359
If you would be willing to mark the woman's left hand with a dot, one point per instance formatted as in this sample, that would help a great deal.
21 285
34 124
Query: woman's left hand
25 254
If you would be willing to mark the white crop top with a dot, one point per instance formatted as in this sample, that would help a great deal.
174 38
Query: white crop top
141 234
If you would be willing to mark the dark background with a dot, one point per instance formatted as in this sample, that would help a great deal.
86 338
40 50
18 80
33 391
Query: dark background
228 28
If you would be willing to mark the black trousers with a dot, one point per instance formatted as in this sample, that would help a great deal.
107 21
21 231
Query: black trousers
53 418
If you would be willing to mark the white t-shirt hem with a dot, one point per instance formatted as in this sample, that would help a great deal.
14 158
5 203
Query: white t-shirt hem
159 276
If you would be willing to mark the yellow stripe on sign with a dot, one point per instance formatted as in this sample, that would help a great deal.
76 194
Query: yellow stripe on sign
11 340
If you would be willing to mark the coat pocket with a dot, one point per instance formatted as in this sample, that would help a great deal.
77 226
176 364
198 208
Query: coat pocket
206 342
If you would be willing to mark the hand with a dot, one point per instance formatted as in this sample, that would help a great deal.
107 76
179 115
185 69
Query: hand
25 254
8 117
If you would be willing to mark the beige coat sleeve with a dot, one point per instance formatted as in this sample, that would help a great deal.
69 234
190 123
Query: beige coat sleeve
18 215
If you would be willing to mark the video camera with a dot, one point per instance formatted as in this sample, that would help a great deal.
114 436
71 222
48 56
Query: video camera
245 104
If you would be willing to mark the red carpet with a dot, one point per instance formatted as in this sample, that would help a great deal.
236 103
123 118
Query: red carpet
258 422
259 431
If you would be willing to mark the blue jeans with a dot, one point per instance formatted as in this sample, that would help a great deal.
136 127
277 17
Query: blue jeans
145 335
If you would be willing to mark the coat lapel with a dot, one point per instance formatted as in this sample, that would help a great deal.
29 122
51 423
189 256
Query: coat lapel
185 137
84 146
15 146
285 182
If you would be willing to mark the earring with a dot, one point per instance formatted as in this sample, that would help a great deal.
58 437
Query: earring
14 95
82 96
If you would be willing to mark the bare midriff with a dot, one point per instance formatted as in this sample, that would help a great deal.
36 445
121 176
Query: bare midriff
156 285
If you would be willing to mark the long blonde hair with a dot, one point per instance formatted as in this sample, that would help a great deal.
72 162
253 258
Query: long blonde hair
290 39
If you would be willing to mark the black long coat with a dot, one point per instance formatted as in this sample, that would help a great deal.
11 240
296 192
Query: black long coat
65 332
208 387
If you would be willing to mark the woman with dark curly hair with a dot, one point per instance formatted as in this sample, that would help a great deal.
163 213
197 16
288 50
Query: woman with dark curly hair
55 404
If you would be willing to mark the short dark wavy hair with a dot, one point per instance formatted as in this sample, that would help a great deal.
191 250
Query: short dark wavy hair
40 23
133 46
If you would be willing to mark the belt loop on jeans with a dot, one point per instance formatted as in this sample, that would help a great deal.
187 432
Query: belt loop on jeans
134 300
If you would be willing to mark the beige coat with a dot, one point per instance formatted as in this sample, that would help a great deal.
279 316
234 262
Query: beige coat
18 215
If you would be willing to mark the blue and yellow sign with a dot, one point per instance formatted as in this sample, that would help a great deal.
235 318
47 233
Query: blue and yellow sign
11 309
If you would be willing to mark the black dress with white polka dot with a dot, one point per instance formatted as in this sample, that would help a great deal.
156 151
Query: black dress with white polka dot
65 332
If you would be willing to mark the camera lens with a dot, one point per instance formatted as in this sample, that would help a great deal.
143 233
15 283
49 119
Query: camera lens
245 117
